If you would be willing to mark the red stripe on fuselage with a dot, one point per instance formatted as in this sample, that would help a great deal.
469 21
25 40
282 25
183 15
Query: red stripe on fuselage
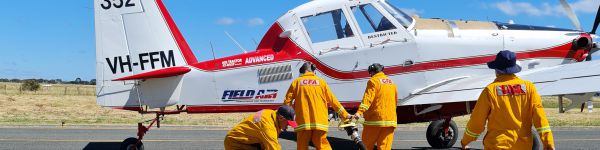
291 51
249 108
181 43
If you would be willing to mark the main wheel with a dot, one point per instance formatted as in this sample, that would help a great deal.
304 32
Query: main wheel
437 138
130 144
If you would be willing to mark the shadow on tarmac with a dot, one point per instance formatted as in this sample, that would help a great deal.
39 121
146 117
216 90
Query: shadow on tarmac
102 145
336 143
339 143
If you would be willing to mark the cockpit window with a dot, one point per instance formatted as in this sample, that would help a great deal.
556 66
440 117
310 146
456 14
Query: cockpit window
402 17
327 26
370 19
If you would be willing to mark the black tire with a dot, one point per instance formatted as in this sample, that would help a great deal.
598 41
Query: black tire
130 143
435 133
536 140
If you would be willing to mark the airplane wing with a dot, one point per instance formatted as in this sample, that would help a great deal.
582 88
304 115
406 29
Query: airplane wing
582 77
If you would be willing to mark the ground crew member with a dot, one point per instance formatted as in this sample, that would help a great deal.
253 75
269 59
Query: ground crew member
379 110
310 96
260 130
510 106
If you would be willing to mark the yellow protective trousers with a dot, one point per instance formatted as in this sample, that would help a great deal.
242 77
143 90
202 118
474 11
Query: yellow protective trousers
382 136
318 138
231 144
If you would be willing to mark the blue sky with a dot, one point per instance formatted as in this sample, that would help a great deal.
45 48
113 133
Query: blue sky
55 39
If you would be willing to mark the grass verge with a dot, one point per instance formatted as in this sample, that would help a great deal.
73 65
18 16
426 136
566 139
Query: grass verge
82 110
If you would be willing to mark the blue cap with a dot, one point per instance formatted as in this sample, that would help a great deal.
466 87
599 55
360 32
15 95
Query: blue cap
505 62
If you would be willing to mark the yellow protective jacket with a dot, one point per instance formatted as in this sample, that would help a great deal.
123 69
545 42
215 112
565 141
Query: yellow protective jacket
310 97
379 102
510 106
261 127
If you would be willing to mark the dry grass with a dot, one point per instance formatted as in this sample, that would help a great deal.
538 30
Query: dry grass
53 110
28 109
552 102
48 89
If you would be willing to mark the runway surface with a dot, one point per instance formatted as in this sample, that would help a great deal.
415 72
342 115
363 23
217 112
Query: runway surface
109 137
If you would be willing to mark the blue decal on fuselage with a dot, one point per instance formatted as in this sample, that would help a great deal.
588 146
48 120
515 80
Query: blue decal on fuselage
268 95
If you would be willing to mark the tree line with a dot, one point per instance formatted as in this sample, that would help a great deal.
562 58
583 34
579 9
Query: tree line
51 81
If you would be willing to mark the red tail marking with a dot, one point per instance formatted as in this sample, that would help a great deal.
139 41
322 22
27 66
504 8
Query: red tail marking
161 73
181 43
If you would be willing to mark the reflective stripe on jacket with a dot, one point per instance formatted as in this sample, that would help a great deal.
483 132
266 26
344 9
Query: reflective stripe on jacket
379 102
510 106
310 97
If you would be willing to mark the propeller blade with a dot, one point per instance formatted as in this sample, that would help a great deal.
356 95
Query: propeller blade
571 14
596 21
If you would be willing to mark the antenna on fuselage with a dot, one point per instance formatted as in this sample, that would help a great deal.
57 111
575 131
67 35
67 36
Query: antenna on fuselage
212 49
256 43
236 42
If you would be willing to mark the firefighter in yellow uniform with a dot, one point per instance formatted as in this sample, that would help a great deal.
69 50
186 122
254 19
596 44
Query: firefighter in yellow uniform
378 107
310 96
510 106
260 130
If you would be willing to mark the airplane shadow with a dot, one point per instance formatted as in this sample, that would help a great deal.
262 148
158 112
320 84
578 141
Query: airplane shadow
102 145
339 143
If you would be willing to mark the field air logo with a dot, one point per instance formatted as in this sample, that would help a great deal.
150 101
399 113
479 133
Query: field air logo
249 96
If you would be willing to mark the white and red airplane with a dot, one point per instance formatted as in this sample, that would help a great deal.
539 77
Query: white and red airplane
144 62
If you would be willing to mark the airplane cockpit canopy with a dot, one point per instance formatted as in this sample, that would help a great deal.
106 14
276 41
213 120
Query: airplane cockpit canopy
398 14
343 24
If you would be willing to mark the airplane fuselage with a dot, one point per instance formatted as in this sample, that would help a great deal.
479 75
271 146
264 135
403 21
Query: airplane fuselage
342 41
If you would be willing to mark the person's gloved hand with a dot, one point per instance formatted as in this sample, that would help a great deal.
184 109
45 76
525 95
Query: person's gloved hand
465 147
350 117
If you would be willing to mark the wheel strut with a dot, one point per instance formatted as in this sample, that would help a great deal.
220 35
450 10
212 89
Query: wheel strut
136 143
446 126
142 130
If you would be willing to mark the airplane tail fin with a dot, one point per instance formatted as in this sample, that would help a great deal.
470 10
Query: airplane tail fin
135 37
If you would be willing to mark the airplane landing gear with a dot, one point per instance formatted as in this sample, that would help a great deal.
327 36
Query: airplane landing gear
133 143
442 133
136 143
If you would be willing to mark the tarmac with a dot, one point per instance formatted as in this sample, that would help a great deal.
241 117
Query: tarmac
193 137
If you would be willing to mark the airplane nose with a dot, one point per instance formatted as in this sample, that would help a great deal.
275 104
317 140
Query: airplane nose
582 43
582 47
